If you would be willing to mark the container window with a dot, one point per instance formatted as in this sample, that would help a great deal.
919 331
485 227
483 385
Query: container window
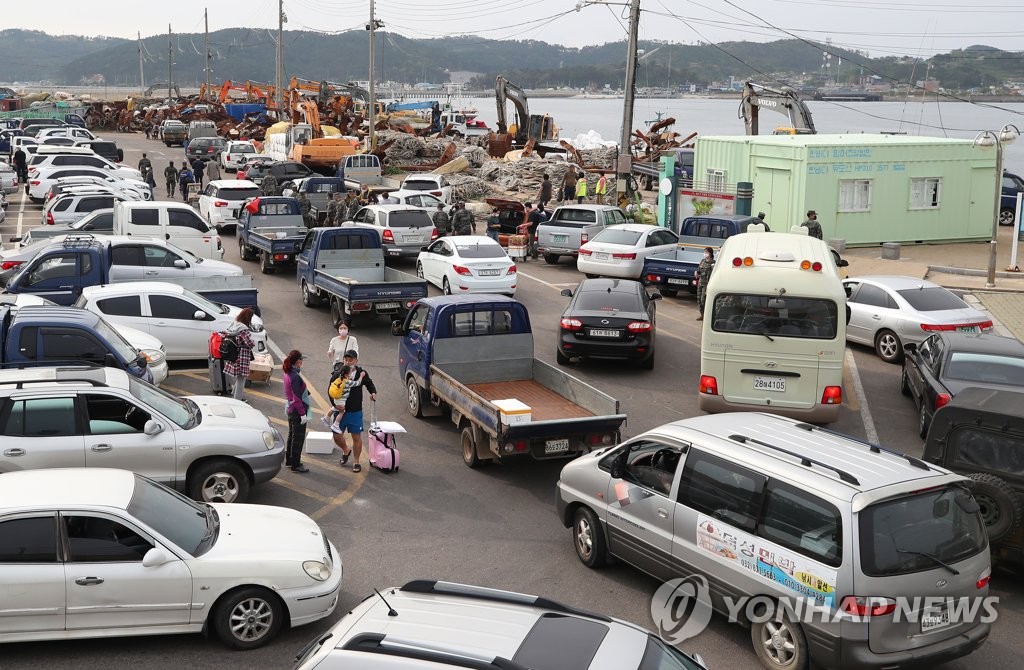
925 192
854 195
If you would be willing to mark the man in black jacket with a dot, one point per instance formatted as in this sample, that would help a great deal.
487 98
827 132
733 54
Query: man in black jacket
353 419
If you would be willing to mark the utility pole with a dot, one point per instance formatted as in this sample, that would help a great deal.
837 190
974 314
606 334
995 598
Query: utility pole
279 75
372 27
206 46
625 164
142 74
170 63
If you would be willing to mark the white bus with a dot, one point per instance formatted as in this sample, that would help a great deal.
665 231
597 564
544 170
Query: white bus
774 328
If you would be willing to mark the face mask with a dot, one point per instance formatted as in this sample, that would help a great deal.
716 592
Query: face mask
342 333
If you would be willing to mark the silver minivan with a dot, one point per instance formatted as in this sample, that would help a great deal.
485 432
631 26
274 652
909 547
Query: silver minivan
571 226
404 230
877 549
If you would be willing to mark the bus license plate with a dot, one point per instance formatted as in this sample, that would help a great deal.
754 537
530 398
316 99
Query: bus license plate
673 280
556 446
603 333
775 384
388 305
934 620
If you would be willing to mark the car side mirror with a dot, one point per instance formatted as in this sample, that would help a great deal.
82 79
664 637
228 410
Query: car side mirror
566 292
152 428
199 315
618 468
397 328
110 361
910 347
849 291
155 557
843 263
180 264
423 248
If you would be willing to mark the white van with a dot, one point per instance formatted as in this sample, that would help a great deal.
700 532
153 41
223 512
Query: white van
175 222
774 335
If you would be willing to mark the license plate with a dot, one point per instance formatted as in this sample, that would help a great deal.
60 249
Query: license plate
673 280
600 257
561 239
388 305
556 446
776 384
489 273
934 621
968 329
597 332
411 238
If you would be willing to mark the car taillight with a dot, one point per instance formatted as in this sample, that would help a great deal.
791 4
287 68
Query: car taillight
462 270
748 261
624 257
599 439
7 265
220 203
653 278
708 385
639 327
833 395
867 607
433 234
511 270
49 219
387 237
983 579
571 324
227 157
436 193
942 399
585 252
34 182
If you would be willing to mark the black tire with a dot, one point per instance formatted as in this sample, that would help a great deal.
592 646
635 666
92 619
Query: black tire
1000 505
265 266
419 270
414 397
904 382
780 643
551 259
561 358
888 346
446 288
338 311
648 363
469 456
309 298
248 618
218 480
1006 217
923 423
243 251
588 538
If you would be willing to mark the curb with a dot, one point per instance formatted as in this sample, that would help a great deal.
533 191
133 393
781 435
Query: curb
971 272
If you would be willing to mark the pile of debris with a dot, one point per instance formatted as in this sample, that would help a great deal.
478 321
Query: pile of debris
648 147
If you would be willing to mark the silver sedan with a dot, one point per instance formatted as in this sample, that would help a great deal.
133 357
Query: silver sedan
887 312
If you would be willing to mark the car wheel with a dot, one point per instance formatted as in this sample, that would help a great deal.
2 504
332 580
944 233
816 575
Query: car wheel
551 259
419 270
888 346
588 538
469 455
243 251
248 618
561 358
922 421
1006 217
648 363
446 287
265 266
218 481
904 382
778 642
1000 506
309 298
415 398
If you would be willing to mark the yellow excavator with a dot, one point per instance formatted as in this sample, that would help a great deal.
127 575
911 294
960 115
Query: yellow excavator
536 127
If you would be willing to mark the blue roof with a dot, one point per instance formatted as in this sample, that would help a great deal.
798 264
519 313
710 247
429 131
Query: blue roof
470 299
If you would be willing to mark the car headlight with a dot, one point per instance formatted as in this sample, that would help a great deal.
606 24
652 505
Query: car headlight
268 440
318 570
153 356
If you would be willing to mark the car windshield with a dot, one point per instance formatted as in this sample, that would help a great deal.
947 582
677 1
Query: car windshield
969 366
183 412
813 318
420 185
182 521
920 531
482 250
569 215
120 345
627 238
409 219
603 301
931 299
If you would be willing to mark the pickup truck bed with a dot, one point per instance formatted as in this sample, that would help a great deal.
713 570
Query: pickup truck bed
677 269
545 403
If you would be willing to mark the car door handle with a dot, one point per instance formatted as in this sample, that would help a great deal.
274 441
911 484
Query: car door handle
151 272
69 286
662 512
14 452
876 317
88 581
419 355
167 236
101 447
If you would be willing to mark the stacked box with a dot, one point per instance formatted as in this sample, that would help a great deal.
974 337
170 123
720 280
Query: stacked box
513 411
260 368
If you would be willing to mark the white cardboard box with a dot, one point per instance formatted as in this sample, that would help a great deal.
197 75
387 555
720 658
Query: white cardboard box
513 411
318 442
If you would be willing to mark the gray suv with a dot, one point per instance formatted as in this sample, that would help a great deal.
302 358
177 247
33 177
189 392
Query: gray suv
571 226
767 512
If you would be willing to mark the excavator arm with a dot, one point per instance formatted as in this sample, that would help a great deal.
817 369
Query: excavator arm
505 90
784 101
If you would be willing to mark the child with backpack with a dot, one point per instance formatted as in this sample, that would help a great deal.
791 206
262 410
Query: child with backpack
339 390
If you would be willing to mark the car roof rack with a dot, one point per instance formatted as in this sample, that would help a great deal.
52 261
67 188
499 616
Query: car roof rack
804 460
872 447
79 240
379 643
495 595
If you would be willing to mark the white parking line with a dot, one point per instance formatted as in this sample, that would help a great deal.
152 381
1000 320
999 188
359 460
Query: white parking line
858 388
21 213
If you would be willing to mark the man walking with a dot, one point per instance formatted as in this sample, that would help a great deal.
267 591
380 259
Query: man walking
304 206
198 168
581 189
353 208
144 164
464 222
171 177
544 196
569 185
268 186
707 264
21 165
441 221
812 225
334 206
601 189
534 218
352 421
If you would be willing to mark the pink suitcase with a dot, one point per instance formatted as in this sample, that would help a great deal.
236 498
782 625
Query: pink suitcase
384 454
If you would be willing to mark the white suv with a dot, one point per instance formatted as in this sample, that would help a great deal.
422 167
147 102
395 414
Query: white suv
235 154
222 200
429 624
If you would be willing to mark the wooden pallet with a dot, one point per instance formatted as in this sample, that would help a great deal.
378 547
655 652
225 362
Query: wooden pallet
545 403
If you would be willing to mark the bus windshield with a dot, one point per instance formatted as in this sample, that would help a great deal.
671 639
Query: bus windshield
787 316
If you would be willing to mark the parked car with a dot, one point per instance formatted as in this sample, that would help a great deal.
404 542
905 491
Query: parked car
72 206
467 264
57 141
572 226
130 189
946 363
1011 186
8 179
620 250
42 162
434 184
608 318
434 631
234 154
73 132
734 497
249 162
403 230
422 200
182 319
97 222
887 312
115 553
104 148
221 201
282 170
39 184
205 148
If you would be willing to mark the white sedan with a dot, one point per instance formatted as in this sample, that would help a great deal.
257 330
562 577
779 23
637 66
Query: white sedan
620 250
468 264
183 320
94 552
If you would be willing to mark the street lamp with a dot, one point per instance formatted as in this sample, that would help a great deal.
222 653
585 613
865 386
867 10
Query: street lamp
988 138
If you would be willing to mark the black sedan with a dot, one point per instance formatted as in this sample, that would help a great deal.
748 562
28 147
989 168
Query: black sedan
608 318
205 148
948 362
282 170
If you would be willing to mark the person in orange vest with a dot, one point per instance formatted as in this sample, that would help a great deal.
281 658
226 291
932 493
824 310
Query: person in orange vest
601 189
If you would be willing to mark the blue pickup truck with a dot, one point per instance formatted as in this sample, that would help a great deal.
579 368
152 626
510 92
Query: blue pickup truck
270 230
472 356
344 267
676 270
59 271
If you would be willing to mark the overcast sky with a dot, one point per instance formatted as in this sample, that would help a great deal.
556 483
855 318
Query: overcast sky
881 27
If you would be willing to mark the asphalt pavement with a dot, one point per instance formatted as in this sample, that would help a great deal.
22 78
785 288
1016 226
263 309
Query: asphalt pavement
495 526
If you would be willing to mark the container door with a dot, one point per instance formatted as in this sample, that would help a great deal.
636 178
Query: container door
774 200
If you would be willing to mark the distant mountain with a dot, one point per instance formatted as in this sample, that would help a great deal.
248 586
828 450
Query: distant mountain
244 54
